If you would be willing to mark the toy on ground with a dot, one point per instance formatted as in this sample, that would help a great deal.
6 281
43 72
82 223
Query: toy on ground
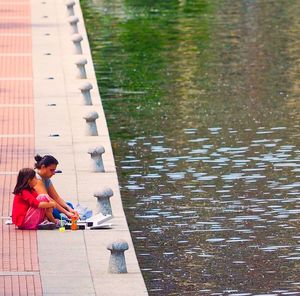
62 225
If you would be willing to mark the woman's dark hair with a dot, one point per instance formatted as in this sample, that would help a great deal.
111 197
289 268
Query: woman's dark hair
24 177
45 160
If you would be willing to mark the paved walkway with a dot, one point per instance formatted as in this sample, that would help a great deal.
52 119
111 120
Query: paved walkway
39 96
19 273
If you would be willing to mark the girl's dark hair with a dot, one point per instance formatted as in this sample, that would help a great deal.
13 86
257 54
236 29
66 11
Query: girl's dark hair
24 177
45 160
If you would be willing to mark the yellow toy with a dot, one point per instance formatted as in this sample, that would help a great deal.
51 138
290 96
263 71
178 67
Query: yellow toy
62 225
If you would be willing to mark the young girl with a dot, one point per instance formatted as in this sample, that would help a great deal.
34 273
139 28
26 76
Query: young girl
30 210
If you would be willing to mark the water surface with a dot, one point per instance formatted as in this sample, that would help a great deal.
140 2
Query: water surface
202 103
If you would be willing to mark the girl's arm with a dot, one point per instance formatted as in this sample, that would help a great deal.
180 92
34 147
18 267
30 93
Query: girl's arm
47 204
30 198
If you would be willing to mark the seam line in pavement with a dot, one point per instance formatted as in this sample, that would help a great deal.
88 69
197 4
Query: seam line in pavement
8 173
16 105
16 78
17 136
14 34
15 18
15 54
12 273
14 2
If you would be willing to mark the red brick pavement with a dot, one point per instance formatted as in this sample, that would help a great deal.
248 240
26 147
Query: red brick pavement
19 267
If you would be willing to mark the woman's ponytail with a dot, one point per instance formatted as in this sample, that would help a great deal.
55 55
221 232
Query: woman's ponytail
45 160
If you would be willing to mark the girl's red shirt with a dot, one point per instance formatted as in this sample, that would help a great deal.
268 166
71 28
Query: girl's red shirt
22 202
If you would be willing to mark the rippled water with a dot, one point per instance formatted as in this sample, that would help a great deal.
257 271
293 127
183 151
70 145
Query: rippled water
202 102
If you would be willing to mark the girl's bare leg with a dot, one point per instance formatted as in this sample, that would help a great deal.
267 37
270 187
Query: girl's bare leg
49 215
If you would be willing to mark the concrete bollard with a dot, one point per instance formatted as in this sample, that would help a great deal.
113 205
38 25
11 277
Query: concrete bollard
85 91
73 20
76 39
103 203
96 155
117 262
91 127
80 63
70 7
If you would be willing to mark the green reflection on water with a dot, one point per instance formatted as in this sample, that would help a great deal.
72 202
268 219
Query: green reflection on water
213 61
134 45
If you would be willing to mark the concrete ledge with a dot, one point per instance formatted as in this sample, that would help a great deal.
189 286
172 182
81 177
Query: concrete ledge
75 262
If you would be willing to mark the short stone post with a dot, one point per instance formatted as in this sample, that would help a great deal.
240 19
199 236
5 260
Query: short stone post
96 155
103 202
91 127
70 7
73 20
117 262
85 91
76 39
80 63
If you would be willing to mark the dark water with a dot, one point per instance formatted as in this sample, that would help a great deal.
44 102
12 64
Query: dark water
202 102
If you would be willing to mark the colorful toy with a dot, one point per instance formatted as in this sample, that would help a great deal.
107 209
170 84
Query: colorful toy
62 225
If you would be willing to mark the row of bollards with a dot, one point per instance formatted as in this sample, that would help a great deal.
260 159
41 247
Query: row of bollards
117 262
85 88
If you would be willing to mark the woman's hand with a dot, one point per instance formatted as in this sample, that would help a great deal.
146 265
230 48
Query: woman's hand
74 213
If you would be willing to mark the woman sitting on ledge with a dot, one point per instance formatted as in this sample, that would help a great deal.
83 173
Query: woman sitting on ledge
45 168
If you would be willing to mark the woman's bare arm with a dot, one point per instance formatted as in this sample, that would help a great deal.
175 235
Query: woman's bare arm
61 204
40 187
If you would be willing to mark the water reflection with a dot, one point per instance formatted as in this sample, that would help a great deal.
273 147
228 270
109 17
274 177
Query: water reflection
202 102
